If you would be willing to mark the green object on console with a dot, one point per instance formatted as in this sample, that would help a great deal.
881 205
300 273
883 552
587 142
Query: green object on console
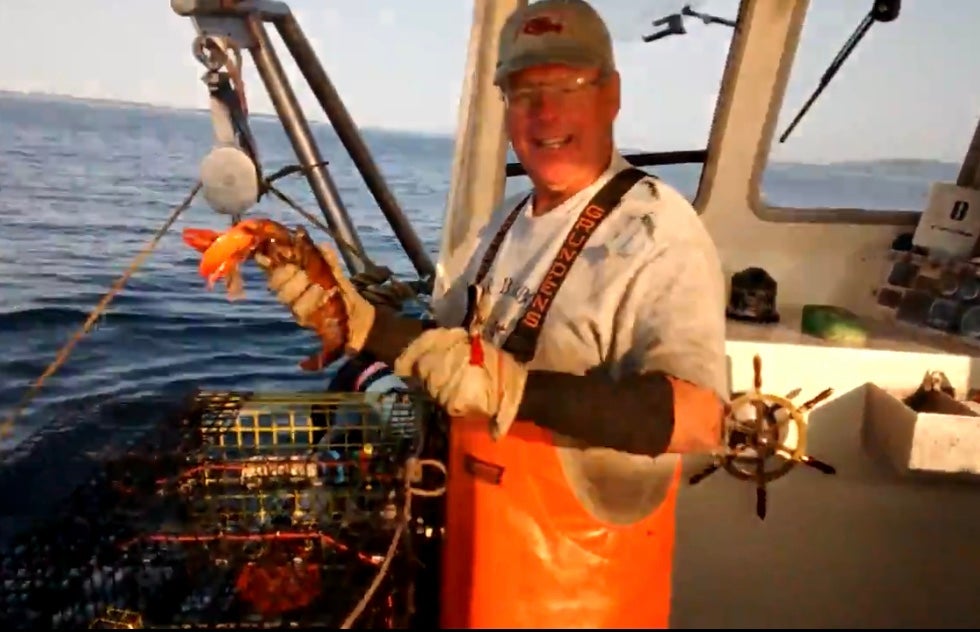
833 323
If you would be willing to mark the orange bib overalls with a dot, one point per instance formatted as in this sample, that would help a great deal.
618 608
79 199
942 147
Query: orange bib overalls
520 549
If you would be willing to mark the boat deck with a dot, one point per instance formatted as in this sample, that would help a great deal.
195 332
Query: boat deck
864 548
868 547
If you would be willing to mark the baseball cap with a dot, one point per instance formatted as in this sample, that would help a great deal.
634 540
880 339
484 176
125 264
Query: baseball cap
553 32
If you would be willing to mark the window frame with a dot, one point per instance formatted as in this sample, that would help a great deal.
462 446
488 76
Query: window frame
813 215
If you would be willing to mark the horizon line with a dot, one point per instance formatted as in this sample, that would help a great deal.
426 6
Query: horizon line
448 135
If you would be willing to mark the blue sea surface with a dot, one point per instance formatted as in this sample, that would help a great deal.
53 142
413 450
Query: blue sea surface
83 186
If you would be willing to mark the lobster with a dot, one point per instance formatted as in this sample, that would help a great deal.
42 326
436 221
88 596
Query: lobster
274 245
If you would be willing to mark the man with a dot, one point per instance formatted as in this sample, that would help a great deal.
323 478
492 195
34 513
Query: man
579 354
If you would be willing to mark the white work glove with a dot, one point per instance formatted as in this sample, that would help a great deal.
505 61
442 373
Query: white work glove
466 375
294 289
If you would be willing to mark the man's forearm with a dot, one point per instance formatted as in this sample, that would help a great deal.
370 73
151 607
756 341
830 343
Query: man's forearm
635 414
391 333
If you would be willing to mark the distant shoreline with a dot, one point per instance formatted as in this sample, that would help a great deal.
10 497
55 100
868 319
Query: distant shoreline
897 163
53 97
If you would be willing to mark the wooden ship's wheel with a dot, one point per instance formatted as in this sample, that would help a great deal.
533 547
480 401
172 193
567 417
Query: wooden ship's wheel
757 436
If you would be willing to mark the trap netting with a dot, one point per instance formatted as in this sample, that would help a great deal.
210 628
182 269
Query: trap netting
242 511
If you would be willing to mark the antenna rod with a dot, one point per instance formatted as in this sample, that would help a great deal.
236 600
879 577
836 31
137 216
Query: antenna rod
675 26
707 18
830 73
881 11
969 175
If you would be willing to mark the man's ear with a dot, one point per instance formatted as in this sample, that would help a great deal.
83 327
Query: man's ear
612 95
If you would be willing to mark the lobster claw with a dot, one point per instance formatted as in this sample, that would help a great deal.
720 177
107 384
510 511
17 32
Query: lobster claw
223 254
200 239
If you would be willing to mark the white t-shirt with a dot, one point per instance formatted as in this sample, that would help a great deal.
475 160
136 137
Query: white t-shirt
647 293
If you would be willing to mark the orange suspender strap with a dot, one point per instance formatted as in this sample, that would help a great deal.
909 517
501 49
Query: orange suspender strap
523 341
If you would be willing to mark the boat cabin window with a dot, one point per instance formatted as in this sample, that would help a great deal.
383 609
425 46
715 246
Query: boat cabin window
898 115
671 55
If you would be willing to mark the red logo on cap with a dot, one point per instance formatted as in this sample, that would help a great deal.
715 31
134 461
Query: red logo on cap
541 25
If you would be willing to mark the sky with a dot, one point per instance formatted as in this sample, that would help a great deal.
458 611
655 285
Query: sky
910 90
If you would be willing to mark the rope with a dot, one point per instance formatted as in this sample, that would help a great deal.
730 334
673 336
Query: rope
369 284
430 493
396 538
7 426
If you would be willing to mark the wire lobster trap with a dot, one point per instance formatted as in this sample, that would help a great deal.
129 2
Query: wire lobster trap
246 510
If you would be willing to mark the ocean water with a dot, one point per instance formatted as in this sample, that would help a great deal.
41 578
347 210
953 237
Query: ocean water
83 187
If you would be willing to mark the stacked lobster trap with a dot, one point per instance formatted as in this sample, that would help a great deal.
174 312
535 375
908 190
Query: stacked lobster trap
242 511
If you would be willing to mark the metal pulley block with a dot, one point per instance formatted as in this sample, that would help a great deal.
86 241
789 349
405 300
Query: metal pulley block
230 173
229 180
